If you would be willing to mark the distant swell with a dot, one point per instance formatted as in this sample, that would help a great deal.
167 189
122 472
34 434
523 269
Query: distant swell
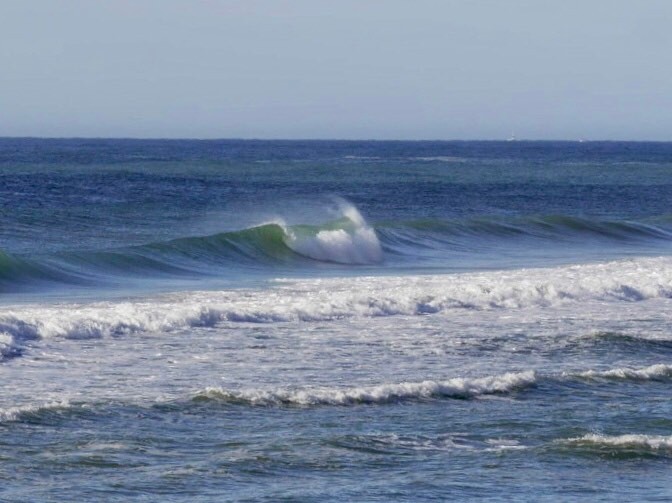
541 227
452 388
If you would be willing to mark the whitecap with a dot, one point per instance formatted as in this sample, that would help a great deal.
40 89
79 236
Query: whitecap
648 442
356 245
652 372
453 388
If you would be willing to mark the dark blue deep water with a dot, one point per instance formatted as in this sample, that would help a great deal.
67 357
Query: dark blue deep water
335 320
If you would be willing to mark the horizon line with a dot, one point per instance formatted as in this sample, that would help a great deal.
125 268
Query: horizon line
381 140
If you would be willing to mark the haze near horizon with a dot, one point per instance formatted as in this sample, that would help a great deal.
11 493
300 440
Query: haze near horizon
351 69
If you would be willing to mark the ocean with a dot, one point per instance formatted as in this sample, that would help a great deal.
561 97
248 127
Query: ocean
325 321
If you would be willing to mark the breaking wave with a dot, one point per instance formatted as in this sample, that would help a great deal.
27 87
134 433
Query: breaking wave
337 298
622 445
459 388
653 372
346 240
452 388
34 412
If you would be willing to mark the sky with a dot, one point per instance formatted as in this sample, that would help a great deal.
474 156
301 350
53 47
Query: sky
337 69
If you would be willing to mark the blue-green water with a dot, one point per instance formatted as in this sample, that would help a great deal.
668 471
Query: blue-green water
317 321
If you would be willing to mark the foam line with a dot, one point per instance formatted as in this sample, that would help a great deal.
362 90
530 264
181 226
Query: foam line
333 299
646 442
452 388
652 372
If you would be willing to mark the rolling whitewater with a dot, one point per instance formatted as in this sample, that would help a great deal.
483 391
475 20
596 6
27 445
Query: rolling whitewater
335 320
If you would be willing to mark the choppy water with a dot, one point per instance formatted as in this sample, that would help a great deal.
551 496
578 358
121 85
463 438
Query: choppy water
318 321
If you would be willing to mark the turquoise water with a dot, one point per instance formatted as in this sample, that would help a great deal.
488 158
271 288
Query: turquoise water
317 321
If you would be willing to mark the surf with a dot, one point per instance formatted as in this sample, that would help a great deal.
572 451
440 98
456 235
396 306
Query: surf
616 283
346 240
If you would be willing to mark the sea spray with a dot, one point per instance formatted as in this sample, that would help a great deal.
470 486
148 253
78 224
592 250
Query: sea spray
353 242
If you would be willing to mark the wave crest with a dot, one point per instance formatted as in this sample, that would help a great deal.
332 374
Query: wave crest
351 241
650 373
35 412
644 444
346 240
387 393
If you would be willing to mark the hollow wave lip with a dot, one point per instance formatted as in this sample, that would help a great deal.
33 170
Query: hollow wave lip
386 393
360 246
349 241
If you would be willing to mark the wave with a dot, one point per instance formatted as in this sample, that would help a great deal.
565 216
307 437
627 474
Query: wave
347 240
16 270
458 388
392 443
328 299
635 342
452 388
652 372
548 228
34 412
628 445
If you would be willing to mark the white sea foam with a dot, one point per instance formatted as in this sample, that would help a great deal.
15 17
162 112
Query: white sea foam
7 344
649 442
394 442
651 372
331 299
359 245
440 158
456 388
12 414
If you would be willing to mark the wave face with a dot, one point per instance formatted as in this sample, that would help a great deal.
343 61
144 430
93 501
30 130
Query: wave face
348 240
538 227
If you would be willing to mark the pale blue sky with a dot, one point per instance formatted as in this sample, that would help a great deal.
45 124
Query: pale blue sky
413 69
